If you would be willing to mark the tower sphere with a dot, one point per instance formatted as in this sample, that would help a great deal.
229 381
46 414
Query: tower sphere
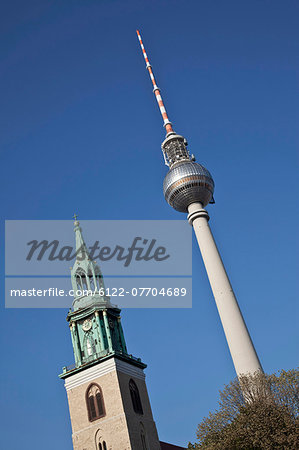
188 182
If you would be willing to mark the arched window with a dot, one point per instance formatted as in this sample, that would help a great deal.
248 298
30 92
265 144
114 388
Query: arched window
135 397
99 282
95 403
78 281
81 279
89 345
91 279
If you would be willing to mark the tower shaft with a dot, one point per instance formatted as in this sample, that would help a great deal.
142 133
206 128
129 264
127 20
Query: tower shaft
242 350
188 187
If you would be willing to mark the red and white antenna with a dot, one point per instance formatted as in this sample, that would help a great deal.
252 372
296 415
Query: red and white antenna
157 92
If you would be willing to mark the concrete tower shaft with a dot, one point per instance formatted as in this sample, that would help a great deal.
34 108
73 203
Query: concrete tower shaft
242 350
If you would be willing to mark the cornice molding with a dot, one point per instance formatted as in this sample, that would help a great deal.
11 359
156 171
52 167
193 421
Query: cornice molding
104 367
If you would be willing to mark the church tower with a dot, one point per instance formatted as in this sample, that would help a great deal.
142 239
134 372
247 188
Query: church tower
108 400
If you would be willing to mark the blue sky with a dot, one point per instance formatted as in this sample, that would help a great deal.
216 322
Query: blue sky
81 131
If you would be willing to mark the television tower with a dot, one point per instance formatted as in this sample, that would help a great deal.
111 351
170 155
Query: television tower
189 187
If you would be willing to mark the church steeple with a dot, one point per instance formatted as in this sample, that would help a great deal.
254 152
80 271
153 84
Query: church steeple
95 323
107 395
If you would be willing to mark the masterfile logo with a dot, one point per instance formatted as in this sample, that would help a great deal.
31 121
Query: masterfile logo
140 249
144 263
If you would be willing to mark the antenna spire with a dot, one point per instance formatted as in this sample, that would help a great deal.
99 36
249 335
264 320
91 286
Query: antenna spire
157 92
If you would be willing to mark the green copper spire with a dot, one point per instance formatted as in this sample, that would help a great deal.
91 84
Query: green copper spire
87 279
95 324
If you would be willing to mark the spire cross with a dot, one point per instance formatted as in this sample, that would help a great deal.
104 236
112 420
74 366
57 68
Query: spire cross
167 123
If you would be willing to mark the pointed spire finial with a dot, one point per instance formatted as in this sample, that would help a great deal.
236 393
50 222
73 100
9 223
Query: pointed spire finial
86 275
81 248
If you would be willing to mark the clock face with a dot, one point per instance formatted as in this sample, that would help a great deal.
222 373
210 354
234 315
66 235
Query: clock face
86 325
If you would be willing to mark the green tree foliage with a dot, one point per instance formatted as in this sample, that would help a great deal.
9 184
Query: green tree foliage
256 412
